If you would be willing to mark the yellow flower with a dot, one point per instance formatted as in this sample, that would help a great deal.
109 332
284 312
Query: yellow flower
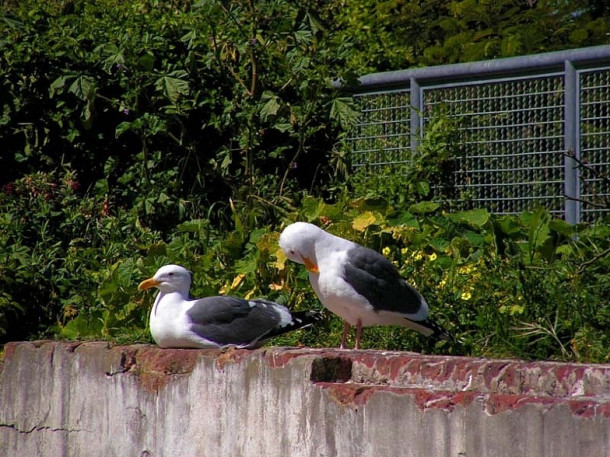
465 269
386 251
466 296
432 257
442 283
70 311
404 251
418 256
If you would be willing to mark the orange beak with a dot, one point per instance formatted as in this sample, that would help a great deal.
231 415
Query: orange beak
311 266
148 284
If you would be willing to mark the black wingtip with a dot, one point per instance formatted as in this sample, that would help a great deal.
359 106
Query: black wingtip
300 320
439 332
305 318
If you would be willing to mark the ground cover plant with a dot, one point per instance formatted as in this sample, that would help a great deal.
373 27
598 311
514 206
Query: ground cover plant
525 286
136 134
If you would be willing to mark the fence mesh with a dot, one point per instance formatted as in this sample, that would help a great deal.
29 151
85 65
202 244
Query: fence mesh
510 152
594 143
383 136
511 142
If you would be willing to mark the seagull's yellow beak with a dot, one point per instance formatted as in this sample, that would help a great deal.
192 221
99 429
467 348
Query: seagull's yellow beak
311 266
148 284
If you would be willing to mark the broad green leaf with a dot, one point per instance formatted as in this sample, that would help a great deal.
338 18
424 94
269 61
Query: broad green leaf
422 188
564 249
361 222
247 265
424 207
125 273
369 203
475 239
83 87
173 86
312 208
475 217
562 227
122 128
404 218
538 231
193 226
271 106
88 113
303 36
157 250
283 126
147 61
58 84
439 244
510 225
343 111
81 326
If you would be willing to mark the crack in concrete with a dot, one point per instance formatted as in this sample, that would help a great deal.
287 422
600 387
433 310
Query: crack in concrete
42 429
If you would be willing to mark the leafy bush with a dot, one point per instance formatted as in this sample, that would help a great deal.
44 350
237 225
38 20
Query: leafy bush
525 286
225 100
513 286
392 35
136 134
56 248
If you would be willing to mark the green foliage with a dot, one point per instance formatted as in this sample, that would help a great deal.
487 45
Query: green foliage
526 286
56 249
211 100
392 34
136 134
427 173
168 113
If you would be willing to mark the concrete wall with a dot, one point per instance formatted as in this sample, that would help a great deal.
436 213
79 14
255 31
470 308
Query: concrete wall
92 399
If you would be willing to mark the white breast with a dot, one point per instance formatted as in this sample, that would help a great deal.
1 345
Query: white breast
171 327
336 294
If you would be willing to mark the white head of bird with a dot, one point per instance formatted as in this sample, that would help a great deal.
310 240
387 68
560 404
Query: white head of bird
168 279
298 241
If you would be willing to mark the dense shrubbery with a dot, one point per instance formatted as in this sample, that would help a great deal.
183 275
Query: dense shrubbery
396 34
229 99
164 112
528 286
140 133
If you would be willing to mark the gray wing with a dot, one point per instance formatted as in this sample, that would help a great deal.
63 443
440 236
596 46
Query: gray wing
374 277
231 320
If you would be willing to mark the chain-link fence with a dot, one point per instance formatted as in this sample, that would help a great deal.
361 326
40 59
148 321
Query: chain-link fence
531 130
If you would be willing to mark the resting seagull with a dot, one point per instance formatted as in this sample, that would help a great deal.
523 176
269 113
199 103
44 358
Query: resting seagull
178 321
356 283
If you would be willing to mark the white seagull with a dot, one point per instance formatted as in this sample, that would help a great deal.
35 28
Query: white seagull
356 283
178 321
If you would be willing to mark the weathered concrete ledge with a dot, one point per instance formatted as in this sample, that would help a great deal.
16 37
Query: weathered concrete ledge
95 399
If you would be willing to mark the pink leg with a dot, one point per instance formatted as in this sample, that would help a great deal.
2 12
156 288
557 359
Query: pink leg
344 337
358 333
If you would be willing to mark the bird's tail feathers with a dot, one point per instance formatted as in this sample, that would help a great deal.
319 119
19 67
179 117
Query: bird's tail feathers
431 329
300 319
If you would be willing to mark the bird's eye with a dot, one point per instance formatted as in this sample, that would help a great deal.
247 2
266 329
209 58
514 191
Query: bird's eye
292 251
171 274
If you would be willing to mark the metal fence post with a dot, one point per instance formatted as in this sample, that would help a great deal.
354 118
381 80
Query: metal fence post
571 128
416 111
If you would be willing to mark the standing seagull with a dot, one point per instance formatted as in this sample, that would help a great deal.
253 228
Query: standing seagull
356 283
178 321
